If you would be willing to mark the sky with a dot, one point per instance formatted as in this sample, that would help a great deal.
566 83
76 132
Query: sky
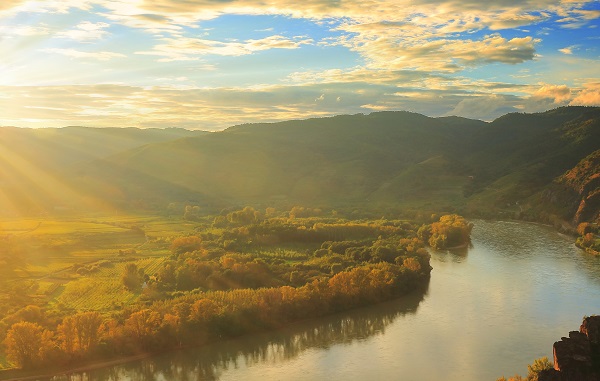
211 64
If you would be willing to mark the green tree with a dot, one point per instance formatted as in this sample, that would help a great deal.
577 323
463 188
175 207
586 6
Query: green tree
533 370
131 277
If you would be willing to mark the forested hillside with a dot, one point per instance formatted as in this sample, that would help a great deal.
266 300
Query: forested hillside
376 161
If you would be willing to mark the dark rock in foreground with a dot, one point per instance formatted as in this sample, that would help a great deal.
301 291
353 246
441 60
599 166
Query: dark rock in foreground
577 357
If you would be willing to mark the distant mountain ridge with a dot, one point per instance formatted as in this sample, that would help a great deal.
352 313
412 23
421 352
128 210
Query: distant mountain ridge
399 159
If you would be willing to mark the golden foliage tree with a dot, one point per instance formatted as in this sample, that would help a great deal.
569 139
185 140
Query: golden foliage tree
80 332
27 344
143 324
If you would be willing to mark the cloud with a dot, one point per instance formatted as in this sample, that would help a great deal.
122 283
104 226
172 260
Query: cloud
567 50
388 34
481 107
391 49
545 97
43 6
558 93
535 99
10 4
86 31
186 49
588 96
218 108
102 56
410 54
23 30
451 15
577 18
492 49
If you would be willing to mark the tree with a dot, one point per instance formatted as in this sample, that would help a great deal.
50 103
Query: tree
182 245
412 264
27 344
166 275
538 365
67 335
143 324
584 228
533 370
192 213
79 333
131 277
170 330
451 230
203 310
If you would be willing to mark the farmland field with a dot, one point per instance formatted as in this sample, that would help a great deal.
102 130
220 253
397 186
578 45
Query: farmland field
77 263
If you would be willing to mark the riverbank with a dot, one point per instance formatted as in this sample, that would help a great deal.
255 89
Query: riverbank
411 299
23 375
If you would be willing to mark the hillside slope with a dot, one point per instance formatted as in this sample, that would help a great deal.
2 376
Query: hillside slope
377 161
329 160
37 165
388 158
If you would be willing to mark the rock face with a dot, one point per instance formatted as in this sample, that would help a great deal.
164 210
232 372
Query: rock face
583 183
572 353
577 357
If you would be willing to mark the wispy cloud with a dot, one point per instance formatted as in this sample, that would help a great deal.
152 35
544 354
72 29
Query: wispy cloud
23 30
186 49
217 108
86 31
99 55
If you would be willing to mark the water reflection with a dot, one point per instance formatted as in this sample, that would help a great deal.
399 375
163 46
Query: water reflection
530 241
455 255
211 361
590 265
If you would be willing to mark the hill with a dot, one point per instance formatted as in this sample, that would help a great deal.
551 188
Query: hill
383 160
333 161
36 165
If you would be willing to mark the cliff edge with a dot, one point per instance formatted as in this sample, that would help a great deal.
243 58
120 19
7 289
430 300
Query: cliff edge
577 357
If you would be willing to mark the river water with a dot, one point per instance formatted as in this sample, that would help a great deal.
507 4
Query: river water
487 312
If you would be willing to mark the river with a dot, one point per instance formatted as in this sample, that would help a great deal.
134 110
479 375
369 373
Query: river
487 312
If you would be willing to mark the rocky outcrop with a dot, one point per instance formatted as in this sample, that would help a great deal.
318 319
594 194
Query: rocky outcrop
577 357
584 181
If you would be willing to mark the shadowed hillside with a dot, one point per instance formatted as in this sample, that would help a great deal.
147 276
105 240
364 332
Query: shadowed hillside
353 159
398 159
37 165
